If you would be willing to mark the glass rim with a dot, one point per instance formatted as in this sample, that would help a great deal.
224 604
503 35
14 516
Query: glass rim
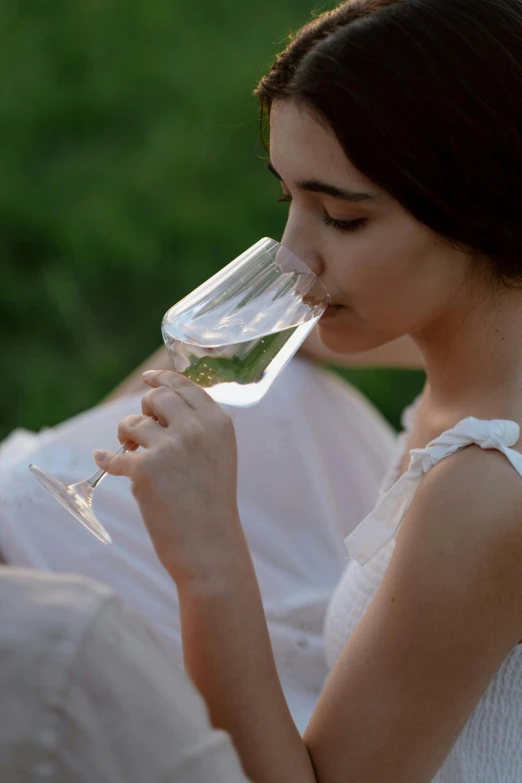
306 268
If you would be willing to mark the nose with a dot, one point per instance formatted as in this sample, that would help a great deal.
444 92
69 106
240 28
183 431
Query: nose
296 238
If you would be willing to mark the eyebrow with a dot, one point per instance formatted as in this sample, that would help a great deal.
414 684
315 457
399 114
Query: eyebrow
315 186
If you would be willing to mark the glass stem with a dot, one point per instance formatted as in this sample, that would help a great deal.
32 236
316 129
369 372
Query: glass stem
94 480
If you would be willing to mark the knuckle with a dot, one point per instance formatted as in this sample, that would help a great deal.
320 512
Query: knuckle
157 395
192 431
167 378
175 449
148 401
163 393
147 398
128 425
223 422
170 449
158 391
197 429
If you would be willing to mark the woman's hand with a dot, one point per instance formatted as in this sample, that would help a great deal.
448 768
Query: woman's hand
185 479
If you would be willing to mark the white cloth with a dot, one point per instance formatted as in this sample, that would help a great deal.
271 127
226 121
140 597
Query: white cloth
311 457
489 749
89 694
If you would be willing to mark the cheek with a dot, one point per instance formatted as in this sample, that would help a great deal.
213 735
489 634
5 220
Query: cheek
390 268
389 290
371 272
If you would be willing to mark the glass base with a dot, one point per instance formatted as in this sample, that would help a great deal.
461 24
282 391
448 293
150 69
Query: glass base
77 499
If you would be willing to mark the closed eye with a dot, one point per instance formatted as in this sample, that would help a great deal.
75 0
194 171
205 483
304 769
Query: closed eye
344 226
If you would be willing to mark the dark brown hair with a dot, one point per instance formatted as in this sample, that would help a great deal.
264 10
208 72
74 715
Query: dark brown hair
425 97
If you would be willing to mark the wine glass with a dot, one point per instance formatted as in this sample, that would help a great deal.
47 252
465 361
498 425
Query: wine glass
233 335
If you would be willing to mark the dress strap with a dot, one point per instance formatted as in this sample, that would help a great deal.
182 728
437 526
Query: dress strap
383 522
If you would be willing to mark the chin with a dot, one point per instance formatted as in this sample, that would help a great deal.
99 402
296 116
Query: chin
339 336
339 341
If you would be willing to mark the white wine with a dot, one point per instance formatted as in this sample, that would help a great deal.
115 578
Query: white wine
235 373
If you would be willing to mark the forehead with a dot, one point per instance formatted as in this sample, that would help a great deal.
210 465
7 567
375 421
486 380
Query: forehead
302 147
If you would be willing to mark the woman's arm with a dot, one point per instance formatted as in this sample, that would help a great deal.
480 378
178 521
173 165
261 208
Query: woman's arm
399 353
228 655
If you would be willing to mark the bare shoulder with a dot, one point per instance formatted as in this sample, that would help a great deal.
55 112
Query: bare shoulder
465 524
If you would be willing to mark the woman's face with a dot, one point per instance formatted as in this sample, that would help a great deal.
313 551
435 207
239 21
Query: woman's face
388 274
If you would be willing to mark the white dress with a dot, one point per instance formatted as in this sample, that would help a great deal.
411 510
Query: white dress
312 455
489 749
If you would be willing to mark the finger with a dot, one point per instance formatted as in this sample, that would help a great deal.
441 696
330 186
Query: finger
141 430
195 397
116 464
162 404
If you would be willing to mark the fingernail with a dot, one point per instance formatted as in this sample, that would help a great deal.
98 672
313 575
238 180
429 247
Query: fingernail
99 455
149 374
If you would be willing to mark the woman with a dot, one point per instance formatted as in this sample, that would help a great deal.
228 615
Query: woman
396 132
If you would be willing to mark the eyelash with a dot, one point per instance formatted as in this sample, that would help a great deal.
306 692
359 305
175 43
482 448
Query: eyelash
344 226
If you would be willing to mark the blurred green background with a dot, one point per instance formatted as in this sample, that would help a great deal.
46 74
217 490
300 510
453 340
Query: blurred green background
131 170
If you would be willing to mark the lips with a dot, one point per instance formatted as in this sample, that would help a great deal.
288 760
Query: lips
331 311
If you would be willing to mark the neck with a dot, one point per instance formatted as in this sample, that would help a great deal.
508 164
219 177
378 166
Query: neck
473 351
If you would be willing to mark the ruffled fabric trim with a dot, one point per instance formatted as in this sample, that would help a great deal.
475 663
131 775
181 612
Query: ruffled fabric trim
384 521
